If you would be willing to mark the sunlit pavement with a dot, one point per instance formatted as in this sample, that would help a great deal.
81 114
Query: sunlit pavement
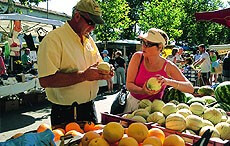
29 118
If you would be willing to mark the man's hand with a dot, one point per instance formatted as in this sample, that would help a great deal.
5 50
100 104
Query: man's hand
92 74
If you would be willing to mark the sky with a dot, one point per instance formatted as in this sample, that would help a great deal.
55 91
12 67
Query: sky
65 6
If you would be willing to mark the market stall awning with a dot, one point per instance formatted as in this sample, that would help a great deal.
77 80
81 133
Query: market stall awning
218 16
28 23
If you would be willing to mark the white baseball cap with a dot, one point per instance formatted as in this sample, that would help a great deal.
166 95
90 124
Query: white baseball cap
155 35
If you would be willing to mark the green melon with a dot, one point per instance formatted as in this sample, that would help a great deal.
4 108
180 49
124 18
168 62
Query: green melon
194 122
169 108
174 94
213 129
213 115
197 108
141 112
182 106
157 105
153 84
175 122
207 123
222 92
224 129
138 119
156 117
206 91
144 103
196 99
209 99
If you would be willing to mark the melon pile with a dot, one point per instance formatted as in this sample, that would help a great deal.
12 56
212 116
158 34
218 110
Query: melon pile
193 118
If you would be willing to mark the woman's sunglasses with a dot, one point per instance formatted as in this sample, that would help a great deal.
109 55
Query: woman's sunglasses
149 44
88 21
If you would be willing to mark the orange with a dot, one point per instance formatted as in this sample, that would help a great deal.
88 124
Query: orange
128 141
63 131
43 127
98 127
173 140
158 133
113 132
88 137
72 126
138 131
153 141
73 133
89 126
98 142
57 134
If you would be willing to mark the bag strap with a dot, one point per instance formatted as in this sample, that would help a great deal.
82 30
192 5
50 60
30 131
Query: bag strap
142 57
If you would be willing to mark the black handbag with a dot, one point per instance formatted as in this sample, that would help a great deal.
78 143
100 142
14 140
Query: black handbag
119 103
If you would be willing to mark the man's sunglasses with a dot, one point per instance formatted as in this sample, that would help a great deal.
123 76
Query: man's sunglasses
88 21
149 44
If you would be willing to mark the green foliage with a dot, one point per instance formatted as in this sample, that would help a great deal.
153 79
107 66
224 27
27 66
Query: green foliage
115 15
29 2
163 14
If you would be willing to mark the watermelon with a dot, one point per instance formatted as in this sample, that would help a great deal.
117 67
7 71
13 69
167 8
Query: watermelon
196 88
174 94
222 92
223 106
206 91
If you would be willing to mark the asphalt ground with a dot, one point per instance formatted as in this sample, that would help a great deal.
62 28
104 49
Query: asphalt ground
28 118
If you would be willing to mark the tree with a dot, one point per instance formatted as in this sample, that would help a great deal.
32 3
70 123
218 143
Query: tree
162 14
115 15
201 32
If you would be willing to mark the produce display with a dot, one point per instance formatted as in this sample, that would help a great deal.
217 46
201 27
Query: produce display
185 113
180 114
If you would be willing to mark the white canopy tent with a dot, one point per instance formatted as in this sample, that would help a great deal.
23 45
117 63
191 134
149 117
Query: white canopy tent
222 49
28 23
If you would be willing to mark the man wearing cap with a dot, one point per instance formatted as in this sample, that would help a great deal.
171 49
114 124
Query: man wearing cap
67 66
149 63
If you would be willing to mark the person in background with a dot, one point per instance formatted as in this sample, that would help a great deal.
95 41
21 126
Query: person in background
67 66
189 71
149 63
2 65
106 58
205 65
214 64
179 58
172 57
120 68
226 67
26 60
197 55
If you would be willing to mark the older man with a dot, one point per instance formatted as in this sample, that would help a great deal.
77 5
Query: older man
67 66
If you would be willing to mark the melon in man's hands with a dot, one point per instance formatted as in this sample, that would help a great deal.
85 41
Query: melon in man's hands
104 67
153 84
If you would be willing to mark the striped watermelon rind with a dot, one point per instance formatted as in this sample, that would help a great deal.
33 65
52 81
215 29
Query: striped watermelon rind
222 92
174 94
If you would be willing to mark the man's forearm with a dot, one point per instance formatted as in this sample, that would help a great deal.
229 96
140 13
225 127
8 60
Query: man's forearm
62 79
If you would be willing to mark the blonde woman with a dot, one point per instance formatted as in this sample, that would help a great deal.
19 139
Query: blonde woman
139 71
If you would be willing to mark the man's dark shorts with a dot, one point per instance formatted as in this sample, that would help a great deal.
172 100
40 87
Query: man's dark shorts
65 113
